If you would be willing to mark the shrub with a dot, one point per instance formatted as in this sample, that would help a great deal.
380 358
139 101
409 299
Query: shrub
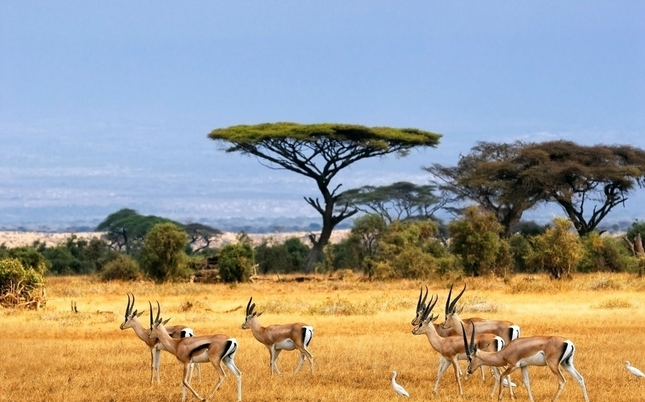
17 283
236 262
162 255
557 251
122 267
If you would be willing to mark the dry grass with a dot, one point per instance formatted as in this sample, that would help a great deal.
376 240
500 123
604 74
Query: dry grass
362 332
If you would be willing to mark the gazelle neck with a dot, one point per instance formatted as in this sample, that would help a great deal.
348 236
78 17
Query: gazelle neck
141 332
165 339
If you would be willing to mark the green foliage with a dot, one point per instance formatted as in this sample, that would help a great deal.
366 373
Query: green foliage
122 267
604 253
162 255
77 256
403 251
126 229
17 282
364 239
236 262
475 238
397 201
281 258
12 272
520 248
557 251
29 257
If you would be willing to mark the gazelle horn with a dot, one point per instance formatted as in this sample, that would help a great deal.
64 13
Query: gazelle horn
127 308
248 306
151 323
157 319
463 332
450 306
421 303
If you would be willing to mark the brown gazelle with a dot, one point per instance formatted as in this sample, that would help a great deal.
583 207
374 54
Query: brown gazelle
277 338
216 349
452 347
175 331
550 351
505 329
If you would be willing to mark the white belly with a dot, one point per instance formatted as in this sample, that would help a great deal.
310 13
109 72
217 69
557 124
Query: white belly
535 360
287 344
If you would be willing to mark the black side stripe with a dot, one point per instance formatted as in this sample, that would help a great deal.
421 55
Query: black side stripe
199 349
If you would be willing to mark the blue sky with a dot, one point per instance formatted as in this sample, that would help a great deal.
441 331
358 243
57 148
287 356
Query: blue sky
107 105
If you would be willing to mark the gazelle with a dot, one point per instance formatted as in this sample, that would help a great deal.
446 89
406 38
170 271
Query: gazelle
277 338
452 347
217 349
550 351
505 329
421 305
175 331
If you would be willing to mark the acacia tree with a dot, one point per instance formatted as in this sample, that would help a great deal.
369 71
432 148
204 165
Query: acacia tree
580 178
398 201
492 176
320 152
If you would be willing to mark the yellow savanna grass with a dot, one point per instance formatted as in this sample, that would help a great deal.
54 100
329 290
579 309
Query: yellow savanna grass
362 332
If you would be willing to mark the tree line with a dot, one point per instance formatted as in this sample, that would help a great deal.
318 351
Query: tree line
396 231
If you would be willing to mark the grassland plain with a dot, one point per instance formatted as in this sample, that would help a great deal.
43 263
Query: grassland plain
362 332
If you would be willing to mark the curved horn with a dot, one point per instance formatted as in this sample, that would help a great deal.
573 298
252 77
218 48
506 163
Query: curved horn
150 313
428 309
248 306
448 299
463 332
157 319
472 337
454 302
127 308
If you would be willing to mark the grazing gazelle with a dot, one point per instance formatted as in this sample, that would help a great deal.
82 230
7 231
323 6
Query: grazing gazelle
452 347
550 351
216 349
277 338
505 329
175 331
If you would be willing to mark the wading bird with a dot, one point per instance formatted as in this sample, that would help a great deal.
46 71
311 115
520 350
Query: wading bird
636 372
397 388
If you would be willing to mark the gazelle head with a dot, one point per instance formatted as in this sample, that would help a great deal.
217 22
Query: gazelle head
451 307
129 314
250 314
156 323
471 350
421 305
426 318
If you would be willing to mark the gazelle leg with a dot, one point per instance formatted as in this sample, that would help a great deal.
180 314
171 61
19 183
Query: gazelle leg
455 364
576 376
527 382
444 364
186 384
230 363
155 354
274 357
497 380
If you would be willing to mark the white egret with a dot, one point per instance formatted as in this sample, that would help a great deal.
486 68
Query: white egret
636 372
397 388
505 383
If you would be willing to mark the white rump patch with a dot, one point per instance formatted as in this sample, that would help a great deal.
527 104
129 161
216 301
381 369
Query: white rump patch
187 333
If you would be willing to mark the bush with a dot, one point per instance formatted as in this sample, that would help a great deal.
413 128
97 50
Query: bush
557 251
122 267
604 254
162 255
17 282
236 262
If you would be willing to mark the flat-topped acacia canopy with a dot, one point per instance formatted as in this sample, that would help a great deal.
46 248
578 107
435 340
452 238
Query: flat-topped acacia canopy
374 139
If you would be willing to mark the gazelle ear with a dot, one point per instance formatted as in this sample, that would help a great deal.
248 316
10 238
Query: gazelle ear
138 314
165 321
259 314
